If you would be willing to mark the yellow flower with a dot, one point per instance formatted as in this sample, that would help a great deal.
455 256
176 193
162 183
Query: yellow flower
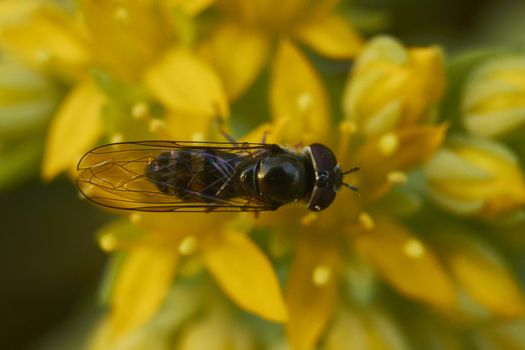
494 98
322 241
476 177
289 278
392 87
87 47
481 273
220 244
244 42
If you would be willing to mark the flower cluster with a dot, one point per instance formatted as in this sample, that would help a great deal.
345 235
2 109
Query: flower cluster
421 258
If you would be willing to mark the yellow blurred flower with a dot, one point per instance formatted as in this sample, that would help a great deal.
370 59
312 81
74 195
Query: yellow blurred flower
120 58
319 242
253 33
476 177
291 278
392 87
494 98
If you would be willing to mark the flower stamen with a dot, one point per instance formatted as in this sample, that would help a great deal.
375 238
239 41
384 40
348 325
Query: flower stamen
414 248
388 144
158 126
305 102
108 242
121 14
116 138
321 275
396 177
140 111
366 221
347 129
135 218
309 218
189 245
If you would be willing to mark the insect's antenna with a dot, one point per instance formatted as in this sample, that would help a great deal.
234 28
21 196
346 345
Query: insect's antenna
351 187
352 170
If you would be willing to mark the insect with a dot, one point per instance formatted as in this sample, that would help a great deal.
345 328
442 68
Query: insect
174 176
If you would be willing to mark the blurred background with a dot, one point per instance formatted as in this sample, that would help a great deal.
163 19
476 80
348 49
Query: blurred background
50 264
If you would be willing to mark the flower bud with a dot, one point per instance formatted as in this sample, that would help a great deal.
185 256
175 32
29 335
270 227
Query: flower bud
476 177
494 98
392 86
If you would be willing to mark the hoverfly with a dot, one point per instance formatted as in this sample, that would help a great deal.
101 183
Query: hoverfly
175 176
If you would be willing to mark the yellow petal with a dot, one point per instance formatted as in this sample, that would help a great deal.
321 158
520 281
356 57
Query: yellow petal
44 37
331 36
185 83
493 99
216 331
125 35
394 152
141 286
120 234
238 54
483 274
311 291
276 16
472 176
407 263
180 305
391 86
273 132
433 332
501 336
364 330
74 129
191 7
246 275
297 96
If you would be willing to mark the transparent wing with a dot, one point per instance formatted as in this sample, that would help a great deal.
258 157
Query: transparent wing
121 176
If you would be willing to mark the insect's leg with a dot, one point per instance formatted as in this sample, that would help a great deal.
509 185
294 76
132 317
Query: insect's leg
223 187
352 170
223 132
264 136
351 187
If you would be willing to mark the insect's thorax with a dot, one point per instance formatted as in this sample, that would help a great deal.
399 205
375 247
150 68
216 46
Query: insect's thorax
277 178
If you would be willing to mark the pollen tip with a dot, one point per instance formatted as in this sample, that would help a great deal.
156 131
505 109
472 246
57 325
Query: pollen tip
108 242
388 144
396 177
188 245
121 14
116 138
140 110
157 125
414 248
366 221
135 218
309 218
321 275
348 127
197 136
305 101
